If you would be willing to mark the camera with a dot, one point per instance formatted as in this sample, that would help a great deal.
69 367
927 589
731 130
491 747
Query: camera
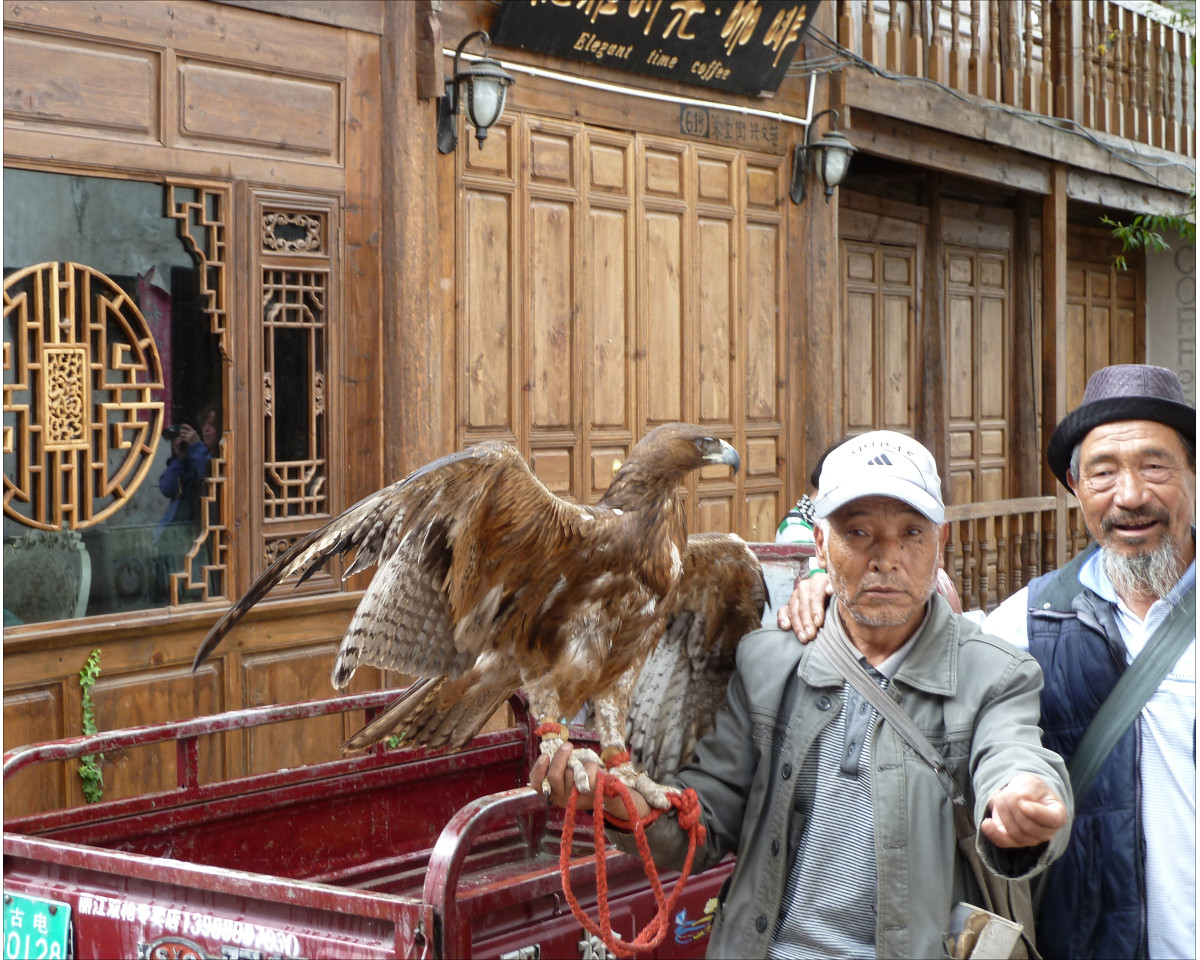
171 432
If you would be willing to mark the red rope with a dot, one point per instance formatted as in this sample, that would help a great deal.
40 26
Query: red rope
688 807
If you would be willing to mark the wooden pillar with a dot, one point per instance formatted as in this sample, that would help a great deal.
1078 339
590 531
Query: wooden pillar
815 321
1025 456
1054 338
417 417
931 418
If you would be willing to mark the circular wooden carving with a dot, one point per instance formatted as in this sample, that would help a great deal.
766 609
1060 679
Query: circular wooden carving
80 372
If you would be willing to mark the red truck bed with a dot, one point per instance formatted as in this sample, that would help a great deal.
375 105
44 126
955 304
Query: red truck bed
398 853
394 854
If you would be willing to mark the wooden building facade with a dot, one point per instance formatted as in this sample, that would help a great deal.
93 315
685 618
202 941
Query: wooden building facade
234 216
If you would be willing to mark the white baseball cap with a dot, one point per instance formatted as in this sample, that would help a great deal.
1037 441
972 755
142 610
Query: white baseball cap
881 464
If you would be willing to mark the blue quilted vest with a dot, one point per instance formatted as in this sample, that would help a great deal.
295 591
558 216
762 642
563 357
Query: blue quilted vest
1094 902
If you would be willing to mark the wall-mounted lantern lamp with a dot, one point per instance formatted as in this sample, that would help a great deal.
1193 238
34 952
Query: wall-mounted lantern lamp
487 86
830 156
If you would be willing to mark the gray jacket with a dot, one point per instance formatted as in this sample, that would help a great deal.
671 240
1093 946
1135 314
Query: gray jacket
974 696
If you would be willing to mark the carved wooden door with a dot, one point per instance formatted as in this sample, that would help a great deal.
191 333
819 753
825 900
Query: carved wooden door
881 260
611 281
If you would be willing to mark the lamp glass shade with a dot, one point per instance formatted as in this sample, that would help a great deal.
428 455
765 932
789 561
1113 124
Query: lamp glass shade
485 101
835 161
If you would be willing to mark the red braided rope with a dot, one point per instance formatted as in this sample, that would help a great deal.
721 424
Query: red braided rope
688 807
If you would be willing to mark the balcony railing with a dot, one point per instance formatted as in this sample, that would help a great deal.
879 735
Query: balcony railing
1114 66
996 548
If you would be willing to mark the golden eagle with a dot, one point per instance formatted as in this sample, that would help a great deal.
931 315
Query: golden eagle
487 582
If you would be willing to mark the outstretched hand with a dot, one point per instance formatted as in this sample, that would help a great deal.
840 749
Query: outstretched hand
1024 813
805 610
555 771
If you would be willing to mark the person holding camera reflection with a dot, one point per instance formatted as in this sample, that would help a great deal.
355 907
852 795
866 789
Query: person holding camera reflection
187 468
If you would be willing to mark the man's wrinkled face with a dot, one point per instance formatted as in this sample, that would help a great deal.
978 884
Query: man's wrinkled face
882 557
1136 488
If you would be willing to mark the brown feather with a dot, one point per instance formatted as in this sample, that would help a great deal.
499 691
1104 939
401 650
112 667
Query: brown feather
720 599
486 581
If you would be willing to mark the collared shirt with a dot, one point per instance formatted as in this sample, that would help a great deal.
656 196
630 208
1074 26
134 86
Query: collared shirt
829 902
1167 763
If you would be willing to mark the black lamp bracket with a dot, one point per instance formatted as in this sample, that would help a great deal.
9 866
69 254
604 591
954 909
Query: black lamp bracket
800 157
449 103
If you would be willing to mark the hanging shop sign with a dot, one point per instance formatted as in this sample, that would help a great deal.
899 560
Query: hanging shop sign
742 46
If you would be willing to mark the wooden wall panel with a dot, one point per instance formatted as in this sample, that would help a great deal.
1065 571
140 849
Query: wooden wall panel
895 385
716 306
663 312
762 322
551 279
609 280
611 291
156 696
103 90
273 112
487 234
859 313
879 355
33 714
299 672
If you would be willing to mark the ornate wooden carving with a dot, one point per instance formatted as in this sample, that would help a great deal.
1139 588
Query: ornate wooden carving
284 232
81 369
202 229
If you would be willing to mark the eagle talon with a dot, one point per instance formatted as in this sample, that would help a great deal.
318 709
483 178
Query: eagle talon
656 794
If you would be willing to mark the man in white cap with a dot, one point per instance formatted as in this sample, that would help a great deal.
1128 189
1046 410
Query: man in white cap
845 838
1126 887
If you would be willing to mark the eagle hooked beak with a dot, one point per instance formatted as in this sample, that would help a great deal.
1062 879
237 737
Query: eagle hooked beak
724 453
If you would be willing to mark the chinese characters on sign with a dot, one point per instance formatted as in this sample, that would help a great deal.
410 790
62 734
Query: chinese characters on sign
743 46
722 127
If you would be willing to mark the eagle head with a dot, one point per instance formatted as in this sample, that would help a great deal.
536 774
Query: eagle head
662 458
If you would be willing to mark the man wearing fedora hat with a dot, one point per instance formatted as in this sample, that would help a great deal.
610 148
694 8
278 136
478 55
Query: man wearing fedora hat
1126 886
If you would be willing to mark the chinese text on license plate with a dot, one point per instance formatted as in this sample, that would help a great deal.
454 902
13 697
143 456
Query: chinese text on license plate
37 929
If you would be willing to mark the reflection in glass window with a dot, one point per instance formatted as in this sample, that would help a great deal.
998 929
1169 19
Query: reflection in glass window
113 416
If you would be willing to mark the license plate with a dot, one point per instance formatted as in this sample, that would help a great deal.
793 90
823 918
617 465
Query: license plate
36 929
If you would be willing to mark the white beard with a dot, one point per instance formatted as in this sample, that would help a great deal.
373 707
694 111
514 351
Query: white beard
1145 574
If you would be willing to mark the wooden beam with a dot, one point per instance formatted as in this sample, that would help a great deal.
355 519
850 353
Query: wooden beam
1054 336
888 137
364 15
815 391
1124 195
931 417
925 105
415 363
1025 457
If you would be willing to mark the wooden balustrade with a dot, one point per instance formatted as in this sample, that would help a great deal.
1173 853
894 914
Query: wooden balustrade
1108 65
994 549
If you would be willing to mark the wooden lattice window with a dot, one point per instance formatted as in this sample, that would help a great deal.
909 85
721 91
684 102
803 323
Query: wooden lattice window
114 448
296 272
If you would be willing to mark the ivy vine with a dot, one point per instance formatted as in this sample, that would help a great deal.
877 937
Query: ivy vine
89 766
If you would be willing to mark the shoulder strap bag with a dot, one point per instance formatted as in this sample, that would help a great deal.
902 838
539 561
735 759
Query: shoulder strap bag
1132 692
1004 927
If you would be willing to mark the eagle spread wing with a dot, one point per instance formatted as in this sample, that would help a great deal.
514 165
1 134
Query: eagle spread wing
487 582
720 599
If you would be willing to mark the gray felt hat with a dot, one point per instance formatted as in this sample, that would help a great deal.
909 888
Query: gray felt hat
1124 391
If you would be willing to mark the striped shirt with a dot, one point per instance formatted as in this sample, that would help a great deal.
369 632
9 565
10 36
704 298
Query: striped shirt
829 901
